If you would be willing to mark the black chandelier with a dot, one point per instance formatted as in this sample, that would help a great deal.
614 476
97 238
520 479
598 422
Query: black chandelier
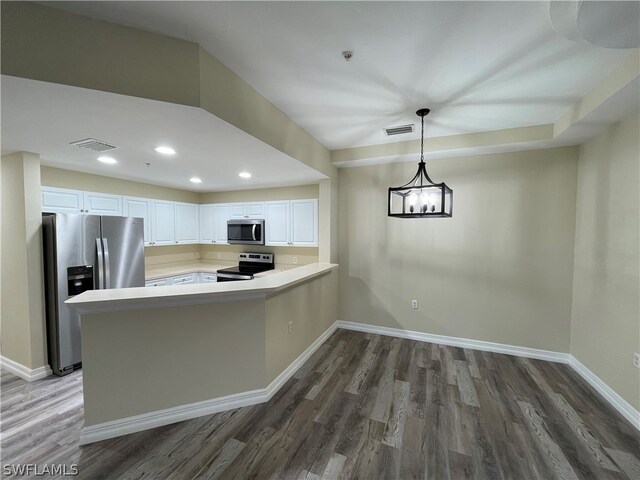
421 197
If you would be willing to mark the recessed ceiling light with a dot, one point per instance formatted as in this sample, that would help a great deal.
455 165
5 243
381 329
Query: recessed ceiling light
165 150
107 160
244 175
195 180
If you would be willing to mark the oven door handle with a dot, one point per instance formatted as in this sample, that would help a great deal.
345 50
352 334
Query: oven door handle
253 232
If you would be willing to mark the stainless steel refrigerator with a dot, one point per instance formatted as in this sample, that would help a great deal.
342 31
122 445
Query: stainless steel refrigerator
84 252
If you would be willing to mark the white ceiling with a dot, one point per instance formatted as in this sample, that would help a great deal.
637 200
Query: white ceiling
478 65
44 118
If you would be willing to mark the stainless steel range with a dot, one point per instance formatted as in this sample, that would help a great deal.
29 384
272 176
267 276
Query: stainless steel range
250 264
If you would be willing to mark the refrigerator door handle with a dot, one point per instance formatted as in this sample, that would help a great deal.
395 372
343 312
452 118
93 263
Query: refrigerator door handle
100 279
107 276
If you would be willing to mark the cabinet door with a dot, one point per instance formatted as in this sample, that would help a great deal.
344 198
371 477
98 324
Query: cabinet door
186 222
254 210
140 208
221 214
237 210
304 223
61 200
205 212
102 204
162 223
276 223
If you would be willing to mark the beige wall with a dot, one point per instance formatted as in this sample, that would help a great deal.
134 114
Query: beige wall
168 357
58 177
500 270
605 325
54 46
262 194
22 315
312 309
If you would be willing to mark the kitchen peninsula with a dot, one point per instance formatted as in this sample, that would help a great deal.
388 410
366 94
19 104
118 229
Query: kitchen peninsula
158 355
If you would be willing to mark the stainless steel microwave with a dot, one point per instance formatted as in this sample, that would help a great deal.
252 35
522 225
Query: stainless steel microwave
245 232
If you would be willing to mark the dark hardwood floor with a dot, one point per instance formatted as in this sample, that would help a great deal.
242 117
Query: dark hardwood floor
364 406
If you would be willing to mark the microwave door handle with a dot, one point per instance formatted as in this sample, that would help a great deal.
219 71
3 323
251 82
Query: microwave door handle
253 232
100 279
107 276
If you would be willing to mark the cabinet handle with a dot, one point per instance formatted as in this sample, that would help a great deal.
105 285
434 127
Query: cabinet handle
176 241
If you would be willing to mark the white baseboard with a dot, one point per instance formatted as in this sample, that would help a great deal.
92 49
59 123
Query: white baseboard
26 373
615 400
527 352
145 421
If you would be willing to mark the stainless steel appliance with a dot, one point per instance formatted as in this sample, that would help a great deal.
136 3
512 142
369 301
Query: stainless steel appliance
250 264
245 232
84 252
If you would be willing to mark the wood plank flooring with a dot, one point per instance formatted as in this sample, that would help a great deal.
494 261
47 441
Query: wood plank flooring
363 407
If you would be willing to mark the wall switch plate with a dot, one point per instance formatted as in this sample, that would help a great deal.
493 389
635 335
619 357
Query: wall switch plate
414 304
636 360
295 260
290 326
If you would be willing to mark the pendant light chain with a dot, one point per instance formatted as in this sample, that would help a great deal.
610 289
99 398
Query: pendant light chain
422 142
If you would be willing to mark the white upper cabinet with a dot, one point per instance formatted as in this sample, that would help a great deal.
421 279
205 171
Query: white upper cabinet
276 223
141 208
304 223
163 223
254 210
61 200
186 222
205 213
236 210
221 216
102 204
246 210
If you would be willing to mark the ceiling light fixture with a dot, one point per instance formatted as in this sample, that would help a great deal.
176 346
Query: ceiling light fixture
195 180
421 197
244 175
165 150
107 160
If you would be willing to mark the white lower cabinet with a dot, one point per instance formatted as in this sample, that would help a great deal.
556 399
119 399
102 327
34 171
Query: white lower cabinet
186 222
162 223
157 282
208 277
140 208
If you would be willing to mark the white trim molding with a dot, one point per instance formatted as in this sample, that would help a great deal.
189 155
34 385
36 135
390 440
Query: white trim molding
25 373
615 400
145 421
527 352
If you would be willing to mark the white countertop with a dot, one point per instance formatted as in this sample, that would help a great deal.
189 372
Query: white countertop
264 285
182 268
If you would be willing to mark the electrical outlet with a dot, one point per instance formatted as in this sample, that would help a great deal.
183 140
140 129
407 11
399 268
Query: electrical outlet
290 326
295 260
414 304
197 255
219 255
636 360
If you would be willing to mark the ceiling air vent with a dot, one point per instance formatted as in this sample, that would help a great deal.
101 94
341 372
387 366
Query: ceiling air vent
399 130
93 144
